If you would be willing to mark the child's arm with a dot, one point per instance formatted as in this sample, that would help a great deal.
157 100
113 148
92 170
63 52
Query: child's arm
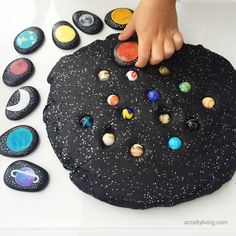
155 22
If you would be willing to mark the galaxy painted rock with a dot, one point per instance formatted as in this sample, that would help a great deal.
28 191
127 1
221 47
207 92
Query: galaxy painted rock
65 35
18 141
22 102
118 18
156 160
29 40
126 54
26 176
87 22
18 71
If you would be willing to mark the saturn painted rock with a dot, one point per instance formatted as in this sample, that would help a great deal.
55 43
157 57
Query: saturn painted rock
126 54
87 22
22 102
137 150
18 141
118 18
29 40
18 71
65 36
26 176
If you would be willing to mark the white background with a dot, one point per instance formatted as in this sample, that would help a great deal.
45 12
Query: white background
61 205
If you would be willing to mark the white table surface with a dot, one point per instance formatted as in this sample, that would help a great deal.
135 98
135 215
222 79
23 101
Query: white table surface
61 205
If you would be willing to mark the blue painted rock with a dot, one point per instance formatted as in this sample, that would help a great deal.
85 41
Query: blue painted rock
87 22
29 40
22 102
18 141
26 176
65 36
18 71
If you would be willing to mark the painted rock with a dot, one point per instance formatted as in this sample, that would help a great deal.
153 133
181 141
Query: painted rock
29 40
26 176
18 141
118 18
22 102
87 22
18 71
65 36
126 54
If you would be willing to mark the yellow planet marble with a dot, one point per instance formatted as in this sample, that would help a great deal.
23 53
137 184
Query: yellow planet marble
208 102
164 118
137 150
65 33
121 16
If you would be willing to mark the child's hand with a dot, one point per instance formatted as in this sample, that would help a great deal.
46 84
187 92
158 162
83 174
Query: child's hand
155 22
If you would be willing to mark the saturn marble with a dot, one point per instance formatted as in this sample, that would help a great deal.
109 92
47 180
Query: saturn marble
87 22
18 71
118 18
22 102
65 36
18 141
29 40
26 176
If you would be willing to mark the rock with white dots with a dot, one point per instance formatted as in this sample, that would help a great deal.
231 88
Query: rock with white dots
22 102
155 161
26 176
18 141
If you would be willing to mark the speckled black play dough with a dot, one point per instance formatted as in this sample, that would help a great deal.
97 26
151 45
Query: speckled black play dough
161 177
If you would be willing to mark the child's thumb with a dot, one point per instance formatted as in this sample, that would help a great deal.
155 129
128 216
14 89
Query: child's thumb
127 32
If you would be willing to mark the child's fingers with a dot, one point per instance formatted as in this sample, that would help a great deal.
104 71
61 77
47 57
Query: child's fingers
144 51
157 55
169 48
127 32
178 40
